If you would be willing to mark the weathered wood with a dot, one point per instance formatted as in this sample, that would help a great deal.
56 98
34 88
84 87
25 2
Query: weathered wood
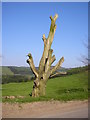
32 66
47 46
44 39
58 73
44 71
53 59
57 65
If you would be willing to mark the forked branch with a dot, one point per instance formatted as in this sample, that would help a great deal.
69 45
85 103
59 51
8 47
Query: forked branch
45 71
47 43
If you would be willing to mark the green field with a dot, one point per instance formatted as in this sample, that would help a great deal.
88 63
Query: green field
70 87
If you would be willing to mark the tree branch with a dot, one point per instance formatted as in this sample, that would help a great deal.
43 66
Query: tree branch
32 66
48 63
58 73
57 65
53 59
44 39
46 74
47 46
55 17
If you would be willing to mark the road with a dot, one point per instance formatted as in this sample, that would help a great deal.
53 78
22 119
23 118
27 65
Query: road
52 109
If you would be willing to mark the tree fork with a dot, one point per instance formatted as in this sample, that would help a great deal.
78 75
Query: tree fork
44 71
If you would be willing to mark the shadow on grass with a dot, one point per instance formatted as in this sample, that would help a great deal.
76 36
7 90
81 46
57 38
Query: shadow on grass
71 90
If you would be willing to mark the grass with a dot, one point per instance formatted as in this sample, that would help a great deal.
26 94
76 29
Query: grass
72 87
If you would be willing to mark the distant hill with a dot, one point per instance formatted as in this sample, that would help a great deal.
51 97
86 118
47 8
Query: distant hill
62 69
6 71
24 74
13 70
21 70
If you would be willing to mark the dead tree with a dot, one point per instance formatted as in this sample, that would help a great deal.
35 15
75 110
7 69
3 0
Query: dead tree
44 71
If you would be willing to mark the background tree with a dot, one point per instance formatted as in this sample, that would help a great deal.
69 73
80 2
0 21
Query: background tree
44 71
85 58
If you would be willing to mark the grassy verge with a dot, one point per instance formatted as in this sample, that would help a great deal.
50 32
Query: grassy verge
72 87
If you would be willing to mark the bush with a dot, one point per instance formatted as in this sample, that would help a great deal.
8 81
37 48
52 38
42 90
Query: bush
77 70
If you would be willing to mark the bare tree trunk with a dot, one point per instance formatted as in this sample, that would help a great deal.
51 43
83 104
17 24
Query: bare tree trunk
44 71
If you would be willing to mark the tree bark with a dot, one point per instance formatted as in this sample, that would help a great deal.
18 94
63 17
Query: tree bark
32 66
44 71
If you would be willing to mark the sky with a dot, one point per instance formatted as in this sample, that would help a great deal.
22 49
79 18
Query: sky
23 25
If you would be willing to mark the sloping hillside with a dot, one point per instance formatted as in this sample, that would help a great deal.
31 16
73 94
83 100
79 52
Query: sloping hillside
21 70
6 71
71 87
13 70
18 74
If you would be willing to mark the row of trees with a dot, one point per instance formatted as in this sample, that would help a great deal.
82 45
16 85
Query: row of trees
15 78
